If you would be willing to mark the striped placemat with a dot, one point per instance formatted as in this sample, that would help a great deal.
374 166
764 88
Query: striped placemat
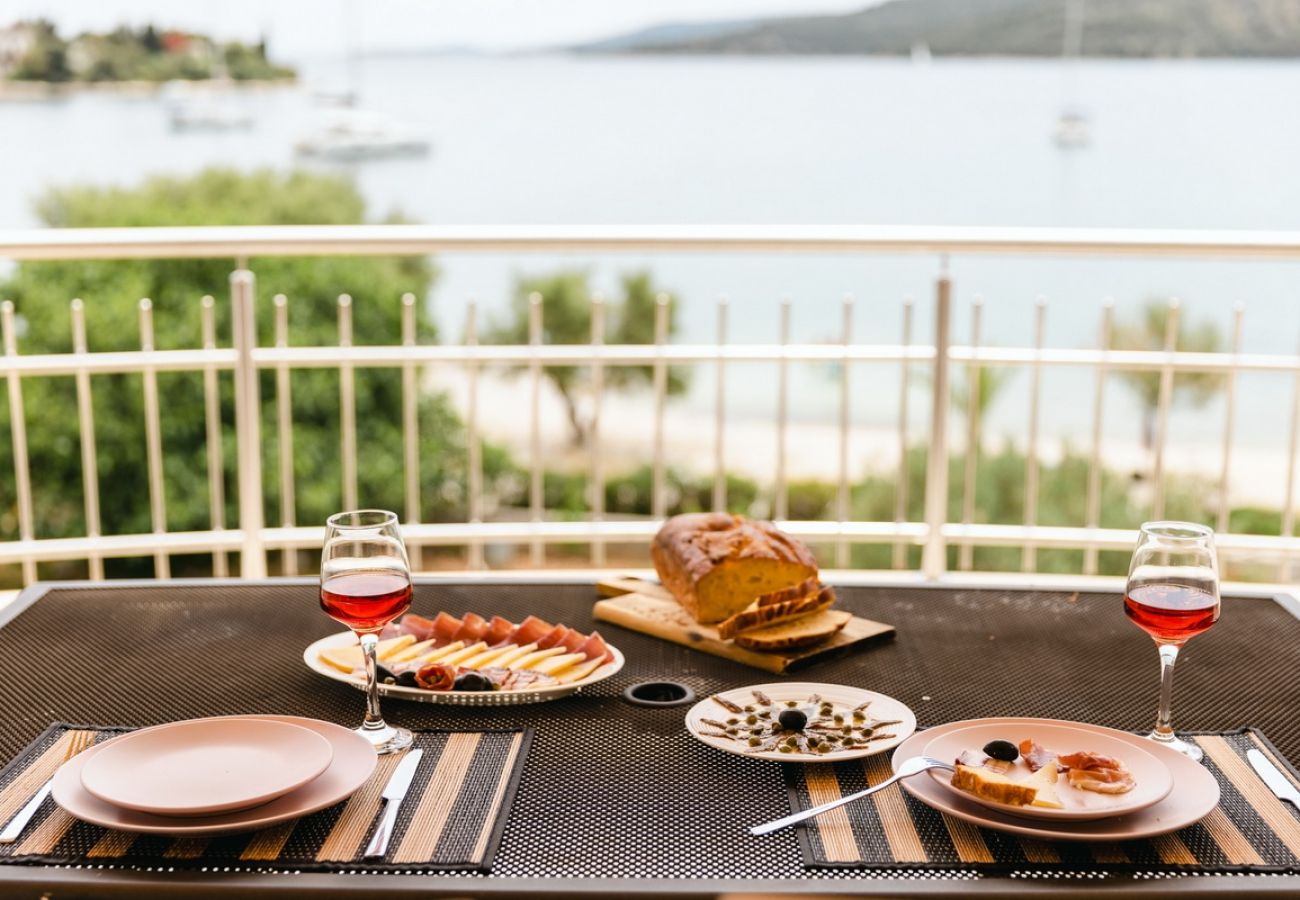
1250 831
452 817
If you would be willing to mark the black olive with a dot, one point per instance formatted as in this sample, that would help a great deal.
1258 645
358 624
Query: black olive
473 681
407 679
793 719
1003 750
384 675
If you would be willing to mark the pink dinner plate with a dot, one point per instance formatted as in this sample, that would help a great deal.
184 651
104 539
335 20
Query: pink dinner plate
202 767
352 764
1152 781
1195 792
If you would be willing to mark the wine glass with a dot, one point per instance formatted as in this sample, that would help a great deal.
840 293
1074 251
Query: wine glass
1173 595
365 583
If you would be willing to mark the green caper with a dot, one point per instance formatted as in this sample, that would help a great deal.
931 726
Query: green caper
786 748
754 742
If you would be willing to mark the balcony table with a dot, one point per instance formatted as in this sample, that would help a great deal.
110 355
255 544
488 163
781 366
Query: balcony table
617 799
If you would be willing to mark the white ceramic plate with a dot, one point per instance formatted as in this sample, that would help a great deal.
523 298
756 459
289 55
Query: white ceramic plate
1153 781
203 767
352 764
843 697
311 656
1194 795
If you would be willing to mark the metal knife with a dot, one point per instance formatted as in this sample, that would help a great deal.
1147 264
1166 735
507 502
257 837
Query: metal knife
398 784
1278 783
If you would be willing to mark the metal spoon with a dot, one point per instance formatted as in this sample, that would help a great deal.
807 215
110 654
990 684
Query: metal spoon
906 769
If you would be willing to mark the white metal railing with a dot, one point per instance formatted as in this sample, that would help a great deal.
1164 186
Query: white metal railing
252 537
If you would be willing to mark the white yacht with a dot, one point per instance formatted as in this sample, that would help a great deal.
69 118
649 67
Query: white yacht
356 134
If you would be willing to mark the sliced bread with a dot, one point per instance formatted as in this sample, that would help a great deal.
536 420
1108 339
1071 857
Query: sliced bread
774 613
807 587
801 632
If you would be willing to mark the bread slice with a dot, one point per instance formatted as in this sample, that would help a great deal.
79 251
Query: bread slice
992 786
802 632
803 589
759 616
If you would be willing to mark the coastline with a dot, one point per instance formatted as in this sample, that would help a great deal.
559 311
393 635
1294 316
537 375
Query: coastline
48 90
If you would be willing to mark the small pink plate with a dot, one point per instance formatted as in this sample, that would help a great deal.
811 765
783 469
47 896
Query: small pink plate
1151 776
1194 795
203 767
353 763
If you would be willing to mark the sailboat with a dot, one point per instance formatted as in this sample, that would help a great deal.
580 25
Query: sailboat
1071 131
346 133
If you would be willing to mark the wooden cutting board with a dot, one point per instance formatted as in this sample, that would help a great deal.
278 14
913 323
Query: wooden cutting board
648 608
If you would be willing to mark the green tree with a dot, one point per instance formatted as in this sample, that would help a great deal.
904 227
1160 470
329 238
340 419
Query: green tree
566 319
989 383
1147 332
41 292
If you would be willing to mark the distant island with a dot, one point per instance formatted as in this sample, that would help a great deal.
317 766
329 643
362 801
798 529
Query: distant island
36 52
1110 28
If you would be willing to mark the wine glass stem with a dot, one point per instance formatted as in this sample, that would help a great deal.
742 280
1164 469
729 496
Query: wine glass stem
1164 717
373 721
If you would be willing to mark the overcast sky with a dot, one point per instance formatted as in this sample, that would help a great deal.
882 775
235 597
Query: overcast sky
309 27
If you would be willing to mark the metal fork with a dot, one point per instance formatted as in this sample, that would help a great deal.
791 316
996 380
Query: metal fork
80 741
909 767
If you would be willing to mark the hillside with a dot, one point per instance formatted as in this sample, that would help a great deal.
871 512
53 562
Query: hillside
1111 28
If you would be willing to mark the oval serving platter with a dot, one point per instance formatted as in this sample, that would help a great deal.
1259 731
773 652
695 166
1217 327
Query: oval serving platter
703 719
311 656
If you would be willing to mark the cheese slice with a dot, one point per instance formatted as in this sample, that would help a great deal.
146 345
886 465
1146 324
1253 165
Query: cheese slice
346 659
488 656
434 655
1044 780
515 653
411 652
532 659
580 671
557 664
455 659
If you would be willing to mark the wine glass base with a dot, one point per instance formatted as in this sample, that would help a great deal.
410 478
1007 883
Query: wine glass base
387 739
1191 751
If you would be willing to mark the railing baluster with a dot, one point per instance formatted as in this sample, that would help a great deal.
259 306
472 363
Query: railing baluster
597 400
536 487
474 462
720 416
284 431
842 489
904 384
411 429
248 424
934 556
212 430
1162 413
89 457
658 498
1094 460
1288 498
1029 556
153 442
1229 420
18 430
966 554
781 502
348 406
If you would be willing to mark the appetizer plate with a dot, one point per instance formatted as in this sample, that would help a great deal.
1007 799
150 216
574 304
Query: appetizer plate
1151 776
352 765
1194 795
203 767
844 698
311 656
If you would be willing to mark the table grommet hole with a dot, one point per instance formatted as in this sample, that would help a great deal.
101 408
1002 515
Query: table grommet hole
659 693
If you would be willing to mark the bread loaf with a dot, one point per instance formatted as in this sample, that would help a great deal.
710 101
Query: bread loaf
796 592
717 564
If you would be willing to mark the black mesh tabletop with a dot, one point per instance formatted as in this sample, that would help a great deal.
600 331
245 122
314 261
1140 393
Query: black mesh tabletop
614 797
